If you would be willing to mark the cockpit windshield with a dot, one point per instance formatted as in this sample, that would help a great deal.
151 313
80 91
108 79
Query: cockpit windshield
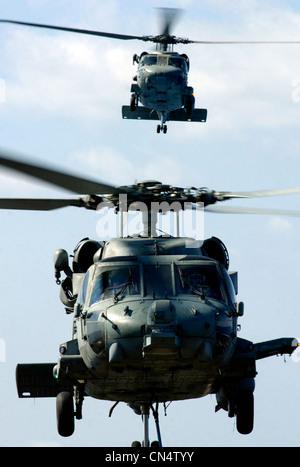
149 60
163 60
199 280
114 282
158 280
178 62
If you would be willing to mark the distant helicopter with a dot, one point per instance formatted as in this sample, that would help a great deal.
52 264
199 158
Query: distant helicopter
161 82
155 317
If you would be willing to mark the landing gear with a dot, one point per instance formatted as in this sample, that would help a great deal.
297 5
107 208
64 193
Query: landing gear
133 102
189 100
189 104
144 411
138 444
244 409
163 128
65 414
238 400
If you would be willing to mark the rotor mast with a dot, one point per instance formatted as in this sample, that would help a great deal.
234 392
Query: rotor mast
149 220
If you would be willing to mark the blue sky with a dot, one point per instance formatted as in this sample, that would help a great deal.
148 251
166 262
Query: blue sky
62 106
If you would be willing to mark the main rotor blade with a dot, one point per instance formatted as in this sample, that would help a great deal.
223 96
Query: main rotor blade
168 18
80 31
166 32
260 193
241 42
240 210
31 204
64 180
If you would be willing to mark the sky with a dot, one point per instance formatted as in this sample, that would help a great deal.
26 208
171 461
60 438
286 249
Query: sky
60 104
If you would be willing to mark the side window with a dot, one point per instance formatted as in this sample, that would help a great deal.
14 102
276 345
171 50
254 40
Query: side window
83 289
113 283
229 286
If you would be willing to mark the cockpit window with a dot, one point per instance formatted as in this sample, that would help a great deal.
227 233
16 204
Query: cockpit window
177 62
83 289
115 283
199 280
162 60
149 60
229 285
158 280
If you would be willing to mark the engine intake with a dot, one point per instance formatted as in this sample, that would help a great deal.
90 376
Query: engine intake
214 248
84 255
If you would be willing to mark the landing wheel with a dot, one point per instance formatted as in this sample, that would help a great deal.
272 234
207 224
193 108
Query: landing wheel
155 444
65 414
163 128
132 103
136 444
189 107
244 412
189 104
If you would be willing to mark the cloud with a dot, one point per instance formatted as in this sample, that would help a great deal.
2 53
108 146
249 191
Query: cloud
118 169
280 224
69 75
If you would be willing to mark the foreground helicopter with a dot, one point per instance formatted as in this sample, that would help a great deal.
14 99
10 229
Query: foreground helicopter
161 82
155 317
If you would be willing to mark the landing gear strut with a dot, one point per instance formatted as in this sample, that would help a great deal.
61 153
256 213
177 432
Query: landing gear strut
145 411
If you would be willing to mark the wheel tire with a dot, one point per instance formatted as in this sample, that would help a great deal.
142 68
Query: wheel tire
132 103
244 412
136 444
189 104
158 128
65 414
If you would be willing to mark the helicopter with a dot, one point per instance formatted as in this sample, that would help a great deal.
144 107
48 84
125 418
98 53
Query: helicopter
155 316
161 82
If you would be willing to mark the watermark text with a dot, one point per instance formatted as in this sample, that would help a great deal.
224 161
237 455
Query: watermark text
158 218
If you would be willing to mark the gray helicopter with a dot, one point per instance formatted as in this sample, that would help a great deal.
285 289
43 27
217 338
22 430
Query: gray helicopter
161 82
155 317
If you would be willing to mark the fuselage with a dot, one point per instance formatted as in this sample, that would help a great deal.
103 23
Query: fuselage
154 326
162 79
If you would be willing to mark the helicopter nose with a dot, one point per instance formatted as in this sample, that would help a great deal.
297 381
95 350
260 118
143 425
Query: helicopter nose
188 333
161 332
